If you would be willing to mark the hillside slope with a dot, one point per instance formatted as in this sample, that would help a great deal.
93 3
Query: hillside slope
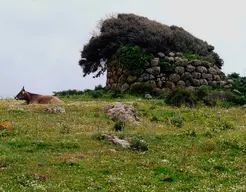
189 149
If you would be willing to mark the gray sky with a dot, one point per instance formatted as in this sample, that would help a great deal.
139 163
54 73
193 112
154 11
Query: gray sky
41 40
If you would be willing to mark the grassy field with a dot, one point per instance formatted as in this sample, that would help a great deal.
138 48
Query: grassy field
189 149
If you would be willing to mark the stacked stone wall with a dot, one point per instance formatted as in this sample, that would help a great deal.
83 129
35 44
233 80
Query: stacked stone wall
186 72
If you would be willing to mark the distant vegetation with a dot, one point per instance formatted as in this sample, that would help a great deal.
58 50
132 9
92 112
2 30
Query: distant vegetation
212 96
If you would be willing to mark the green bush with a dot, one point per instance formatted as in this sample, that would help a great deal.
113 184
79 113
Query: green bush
177 121
138 144
202 92
194 56
142 88
125 29
133 58
166 67
181 96
97 94
99 87
234 75
119 125
116 93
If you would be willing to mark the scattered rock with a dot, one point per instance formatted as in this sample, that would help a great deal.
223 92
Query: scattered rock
117 141
148 96
121 112
56 109
243 106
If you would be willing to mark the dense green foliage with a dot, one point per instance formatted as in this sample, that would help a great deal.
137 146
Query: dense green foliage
166 67
133 58
181 96
130 29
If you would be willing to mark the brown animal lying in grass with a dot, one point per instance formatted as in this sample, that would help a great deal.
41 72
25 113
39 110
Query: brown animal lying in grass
31 98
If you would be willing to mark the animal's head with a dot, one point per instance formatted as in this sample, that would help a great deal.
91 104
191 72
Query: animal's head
22 95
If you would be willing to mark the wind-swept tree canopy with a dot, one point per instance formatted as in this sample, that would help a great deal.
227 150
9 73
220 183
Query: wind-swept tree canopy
130 29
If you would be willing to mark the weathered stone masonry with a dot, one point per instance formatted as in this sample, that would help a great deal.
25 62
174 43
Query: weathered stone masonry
187 72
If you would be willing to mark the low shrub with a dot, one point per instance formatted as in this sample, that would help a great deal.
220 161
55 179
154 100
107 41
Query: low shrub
133 58
119 126
177 121
166 67
138 144
116 93
181 96
142 88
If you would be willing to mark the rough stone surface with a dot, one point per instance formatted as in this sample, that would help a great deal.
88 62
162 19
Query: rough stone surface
203 82
174 77
56 109
161 55
170 85
156 70
159 84
121 112
190 68
181 84
131 79
148 96
186 72
212 70
196 63
186 76
125 87
155 62
196 75
171 54
201 69
179 70
149 70
196 82
170 59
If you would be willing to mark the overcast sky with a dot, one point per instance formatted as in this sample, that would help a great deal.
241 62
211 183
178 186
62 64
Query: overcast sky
41 40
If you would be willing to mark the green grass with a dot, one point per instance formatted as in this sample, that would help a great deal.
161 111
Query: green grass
64 152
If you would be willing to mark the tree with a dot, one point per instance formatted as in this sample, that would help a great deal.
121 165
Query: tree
130 29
